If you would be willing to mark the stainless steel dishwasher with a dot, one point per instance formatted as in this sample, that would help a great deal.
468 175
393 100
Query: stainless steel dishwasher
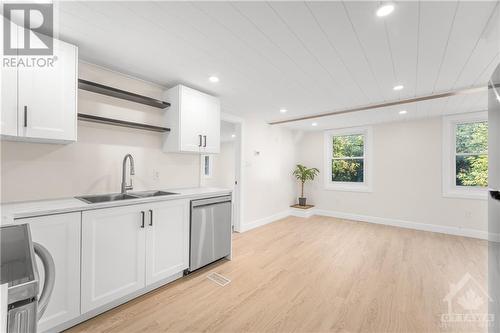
210 231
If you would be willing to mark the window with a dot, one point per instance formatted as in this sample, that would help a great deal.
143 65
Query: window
347 159
465 150
206 166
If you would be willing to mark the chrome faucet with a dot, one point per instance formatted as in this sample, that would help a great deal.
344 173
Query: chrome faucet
126 187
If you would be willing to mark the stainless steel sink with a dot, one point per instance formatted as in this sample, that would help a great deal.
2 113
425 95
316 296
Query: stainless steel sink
120 196
106 197
147 194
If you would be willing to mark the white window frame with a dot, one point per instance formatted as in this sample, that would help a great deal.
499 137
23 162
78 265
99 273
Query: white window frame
366 185
210 166
450 189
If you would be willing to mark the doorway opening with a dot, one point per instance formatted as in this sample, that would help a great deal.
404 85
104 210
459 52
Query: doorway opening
225 169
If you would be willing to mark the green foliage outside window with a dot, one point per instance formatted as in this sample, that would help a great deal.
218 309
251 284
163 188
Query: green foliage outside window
348 161
472 154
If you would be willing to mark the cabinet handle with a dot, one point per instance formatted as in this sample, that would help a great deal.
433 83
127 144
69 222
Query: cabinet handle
199 145
143 215
205 144
151 217
25 116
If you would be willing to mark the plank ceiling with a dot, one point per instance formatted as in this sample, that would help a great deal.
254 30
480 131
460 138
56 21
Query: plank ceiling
307 57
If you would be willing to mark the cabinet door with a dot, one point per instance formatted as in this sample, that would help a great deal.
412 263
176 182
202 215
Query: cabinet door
167 240
192 106
8 98
212 125
8 108
113 254
60 234
48 97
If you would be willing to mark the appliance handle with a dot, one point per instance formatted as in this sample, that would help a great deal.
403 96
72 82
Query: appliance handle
50 277
210 201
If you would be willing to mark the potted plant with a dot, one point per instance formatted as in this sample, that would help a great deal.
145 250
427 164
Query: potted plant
303 174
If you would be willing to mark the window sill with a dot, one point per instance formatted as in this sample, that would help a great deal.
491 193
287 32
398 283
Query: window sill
348 187
464 194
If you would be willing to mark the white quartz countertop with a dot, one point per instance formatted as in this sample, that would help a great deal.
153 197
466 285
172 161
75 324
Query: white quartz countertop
23 209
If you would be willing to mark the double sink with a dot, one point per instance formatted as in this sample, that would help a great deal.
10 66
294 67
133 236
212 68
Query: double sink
90 199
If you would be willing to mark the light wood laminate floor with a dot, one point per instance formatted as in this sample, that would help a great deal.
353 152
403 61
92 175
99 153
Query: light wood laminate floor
313 275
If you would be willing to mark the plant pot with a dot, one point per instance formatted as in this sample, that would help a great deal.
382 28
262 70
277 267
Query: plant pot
302 201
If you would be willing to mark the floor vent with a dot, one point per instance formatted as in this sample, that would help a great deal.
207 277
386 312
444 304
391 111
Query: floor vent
219 279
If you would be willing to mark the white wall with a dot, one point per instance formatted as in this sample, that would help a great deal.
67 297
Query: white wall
269 154
225 174
223 167
33 171
407 173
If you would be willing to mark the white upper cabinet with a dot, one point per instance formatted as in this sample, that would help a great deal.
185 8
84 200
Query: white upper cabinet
194 121
48 97
8 109
211 143
8 98
39 104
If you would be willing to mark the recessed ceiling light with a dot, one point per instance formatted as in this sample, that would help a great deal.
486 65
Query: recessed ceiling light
403 112
385 9
398 87
233 135
283 110
213 79
314 124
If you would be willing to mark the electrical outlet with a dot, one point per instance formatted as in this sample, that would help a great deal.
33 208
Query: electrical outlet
468 215
156 175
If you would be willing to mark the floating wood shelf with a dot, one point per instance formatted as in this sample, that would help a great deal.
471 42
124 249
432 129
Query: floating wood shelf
302 207
121 123
122 94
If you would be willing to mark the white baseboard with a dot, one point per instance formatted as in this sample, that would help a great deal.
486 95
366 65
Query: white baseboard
264 221
456 231
473 233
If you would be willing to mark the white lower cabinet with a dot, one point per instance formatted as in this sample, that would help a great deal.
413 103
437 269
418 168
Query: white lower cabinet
113 254
125 249
104 255
167 240
60 234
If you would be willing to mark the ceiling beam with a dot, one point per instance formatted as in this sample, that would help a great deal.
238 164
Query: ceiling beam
385 104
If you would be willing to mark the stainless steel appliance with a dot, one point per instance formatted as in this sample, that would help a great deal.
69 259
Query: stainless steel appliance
19 271
210 231
494 199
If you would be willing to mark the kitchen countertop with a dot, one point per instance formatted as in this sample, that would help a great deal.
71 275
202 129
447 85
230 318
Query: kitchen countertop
23 209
